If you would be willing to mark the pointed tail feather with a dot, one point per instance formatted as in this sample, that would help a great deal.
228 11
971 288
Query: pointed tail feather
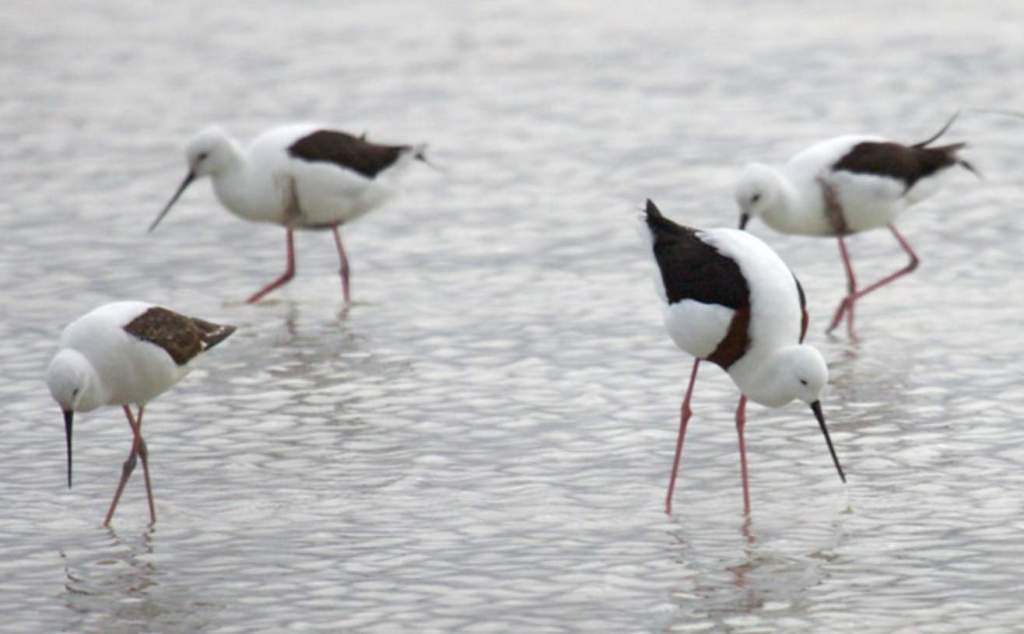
949 153
419 152
659 224
652 211
935 137
212 333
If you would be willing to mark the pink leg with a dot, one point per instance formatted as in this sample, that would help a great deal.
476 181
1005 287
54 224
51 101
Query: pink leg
684 417
741 421
144 454
288 274
911 265
344 263
855 294
851 290
138 449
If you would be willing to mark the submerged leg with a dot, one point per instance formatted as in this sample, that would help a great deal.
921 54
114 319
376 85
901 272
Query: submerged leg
126 468
684 416
144 454
857 294
741 421
288 274
911 265
845 306
344 263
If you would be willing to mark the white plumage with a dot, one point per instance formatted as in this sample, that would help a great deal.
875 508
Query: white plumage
731 300
297 176
125 353
846 185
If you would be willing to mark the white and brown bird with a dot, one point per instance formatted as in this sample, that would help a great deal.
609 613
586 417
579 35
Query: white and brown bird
843 186
126 353
729 299
300 176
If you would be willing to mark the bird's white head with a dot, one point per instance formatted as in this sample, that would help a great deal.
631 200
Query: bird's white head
74 385
71 379
757 191
209 153
798 372
795 372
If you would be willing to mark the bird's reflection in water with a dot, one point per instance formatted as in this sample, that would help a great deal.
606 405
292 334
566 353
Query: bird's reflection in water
114 583
122 570
720 587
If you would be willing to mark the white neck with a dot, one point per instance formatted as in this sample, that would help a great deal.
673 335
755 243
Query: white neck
764 378
793 211
247 194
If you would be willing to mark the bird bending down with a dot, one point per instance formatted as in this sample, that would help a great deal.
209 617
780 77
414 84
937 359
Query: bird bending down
126 353
845 185
730 300
299 176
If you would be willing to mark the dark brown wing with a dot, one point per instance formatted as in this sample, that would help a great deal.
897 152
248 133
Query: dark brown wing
908 164
693 269
181 337
346 151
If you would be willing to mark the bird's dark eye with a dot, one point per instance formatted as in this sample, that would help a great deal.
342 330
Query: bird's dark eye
74 392
202 156
755 198
803 382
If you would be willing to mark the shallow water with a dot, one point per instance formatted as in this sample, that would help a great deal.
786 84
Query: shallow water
481 443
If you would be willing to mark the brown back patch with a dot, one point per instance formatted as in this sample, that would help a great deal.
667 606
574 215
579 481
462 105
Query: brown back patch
908 164
181 337
736 341
347 151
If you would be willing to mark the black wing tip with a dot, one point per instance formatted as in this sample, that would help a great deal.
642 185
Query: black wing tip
219 334
949 153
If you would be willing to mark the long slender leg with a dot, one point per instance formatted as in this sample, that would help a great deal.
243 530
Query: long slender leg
344 262
684 417
288 274
857 294
144 454
851 291
741 421
126 468
911 265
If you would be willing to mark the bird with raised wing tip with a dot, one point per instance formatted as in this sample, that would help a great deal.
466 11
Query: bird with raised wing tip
843 186
729 299
301 176
126 353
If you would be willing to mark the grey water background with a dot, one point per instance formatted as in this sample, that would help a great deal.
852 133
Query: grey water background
481 444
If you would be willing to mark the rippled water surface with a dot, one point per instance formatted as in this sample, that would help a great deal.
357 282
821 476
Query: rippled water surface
481 443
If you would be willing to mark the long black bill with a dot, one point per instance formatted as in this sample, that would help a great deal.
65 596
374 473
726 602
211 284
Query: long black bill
816 408
69 415
181 188
744 219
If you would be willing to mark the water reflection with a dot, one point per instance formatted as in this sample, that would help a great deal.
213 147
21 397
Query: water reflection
115 582
118 571
767 582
